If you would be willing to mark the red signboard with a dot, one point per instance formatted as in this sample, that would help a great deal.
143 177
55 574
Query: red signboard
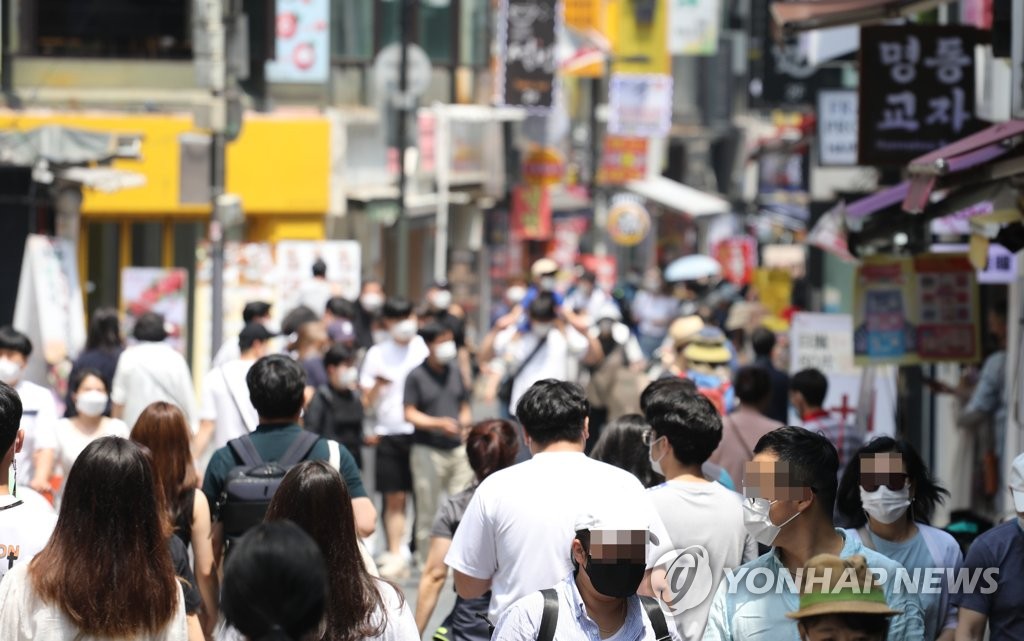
738 257
531 213
622 159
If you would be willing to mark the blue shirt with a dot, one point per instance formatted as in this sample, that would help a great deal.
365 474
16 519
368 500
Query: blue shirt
739 613
989 396
1001 547
521 621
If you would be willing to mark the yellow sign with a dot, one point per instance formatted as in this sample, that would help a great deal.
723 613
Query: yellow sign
774 288
638 31
628 223
584 15
543 167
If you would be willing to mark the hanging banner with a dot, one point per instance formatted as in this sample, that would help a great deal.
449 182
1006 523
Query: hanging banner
738 258
628 221
916 310
623 159
829 234
921 91
837 127
567 232
155 289
526 74
531 213
638 31
640 105
693 27
302 43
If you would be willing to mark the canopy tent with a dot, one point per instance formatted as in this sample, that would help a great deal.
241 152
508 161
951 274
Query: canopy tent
675 195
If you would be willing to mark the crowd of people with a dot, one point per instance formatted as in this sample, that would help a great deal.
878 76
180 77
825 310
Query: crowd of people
639 467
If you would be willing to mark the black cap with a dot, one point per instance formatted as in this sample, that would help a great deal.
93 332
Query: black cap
255 309
253 332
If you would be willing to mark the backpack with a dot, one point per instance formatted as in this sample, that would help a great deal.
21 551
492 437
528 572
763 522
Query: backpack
549 619
250 486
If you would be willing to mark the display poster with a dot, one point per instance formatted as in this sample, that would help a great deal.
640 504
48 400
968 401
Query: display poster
528 53
160 290
693 27
623 159
531 212
302 42
640 105
294 260
738 257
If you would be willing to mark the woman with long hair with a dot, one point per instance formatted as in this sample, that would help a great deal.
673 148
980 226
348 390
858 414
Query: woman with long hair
887 496
103 347
106 572
490 446
359 606
162 429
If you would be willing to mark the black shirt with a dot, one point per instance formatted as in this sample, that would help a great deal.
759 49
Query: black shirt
436 394
336 414
778 409
179 557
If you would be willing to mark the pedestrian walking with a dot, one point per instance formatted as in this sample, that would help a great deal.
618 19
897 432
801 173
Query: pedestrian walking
336 409
745 426
807 391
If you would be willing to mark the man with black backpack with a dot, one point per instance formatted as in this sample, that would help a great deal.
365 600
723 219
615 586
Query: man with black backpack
598 599
242 476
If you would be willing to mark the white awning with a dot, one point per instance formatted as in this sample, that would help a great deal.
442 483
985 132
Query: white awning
105 179
676 195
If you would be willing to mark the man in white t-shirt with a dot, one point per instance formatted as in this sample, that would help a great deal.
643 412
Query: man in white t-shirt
513 537
34 460
225 411
684 430
256 311
382 378
151 371
542 349
25 528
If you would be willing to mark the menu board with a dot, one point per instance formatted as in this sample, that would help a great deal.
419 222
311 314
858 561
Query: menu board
528 60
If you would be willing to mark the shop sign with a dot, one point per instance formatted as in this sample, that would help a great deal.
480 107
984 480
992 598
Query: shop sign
640 105
919 91
693 27
154 289
628 222
531 212
823 342
526 75
837 127
623 159
584 15
738 258
1000 267
302 53
543 167
639 37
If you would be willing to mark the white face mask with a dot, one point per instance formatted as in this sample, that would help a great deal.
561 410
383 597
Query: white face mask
655 463
404 331
371 302
441 299
91 403
346 377
380 336
540 329
885 505
10 372
758 521
446 352
515 294
548 283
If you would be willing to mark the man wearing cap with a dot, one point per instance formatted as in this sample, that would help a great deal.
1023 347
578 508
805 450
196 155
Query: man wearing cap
225 411
256 311
790 490
1002 547
151 371
598 599
839 599
515 534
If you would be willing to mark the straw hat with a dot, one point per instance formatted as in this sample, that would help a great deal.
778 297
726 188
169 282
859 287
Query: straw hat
543 266
843 591
708 346
684 329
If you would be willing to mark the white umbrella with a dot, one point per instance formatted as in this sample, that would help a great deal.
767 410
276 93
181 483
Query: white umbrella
694 267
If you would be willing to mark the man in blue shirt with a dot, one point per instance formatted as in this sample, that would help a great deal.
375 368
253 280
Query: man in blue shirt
1001 547
790 490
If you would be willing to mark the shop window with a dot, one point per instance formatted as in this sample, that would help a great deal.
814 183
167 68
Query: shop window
110 28
435 28
474 33
352 30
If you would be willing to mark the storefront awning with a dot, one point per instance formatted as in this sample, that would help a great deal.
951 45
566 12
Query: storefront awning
806 15
105 179
676 195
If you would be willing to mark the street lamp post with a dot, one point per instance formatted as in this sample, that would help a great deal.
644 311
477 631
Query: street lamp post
403 105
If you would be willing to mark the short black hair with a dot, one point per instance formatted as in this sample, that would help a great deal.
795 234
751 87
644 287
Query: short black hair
10 416
752 384
671 384
79 375
296 318
927 492
813 461
396 307
552 411
149 327
589 277
762 340
255 309
341 307
15 341
276 387
543 307
433 330
319 267
811 384
687 419
338 354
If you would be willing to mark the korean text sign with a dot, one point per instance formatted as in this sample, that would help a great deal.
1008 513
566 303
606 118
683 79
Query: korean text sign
528 53
919 90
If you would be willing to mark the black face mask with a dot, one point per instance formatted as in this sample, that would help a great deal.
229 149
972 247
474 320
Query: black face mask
617 580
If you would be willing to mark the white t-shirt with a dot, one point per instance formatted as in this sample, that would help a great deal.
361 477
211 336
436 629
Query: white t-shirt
228 352
39 421
26 617
25 529
518 528
151 372
225 401
71 442
393 362
654 312
552 361
719 511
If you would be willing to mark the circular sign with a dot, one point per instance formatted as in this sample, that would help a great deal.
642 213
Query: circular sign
543 166
628 223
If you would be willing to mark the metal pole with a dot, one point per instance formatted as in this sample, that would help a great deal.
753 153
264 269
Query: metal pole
219 24
442 161
402 222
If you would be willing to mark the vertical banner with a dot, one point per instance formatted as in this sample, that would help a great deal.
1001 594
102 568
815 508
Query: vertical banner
567 231
883 307
155 289
302 46
693 27
531 213
738 258
921 91
527 31
837 127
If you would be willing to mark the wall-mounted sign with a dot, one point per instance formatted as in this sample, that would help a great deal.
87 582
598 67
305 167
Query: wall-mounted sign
544 166
622 160
640 105
526 75
302 46
628 222
837 127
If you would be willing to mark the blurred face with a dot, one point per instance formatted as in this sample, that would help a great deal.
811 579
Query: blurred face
767 479
833 628
884 468
90 384
996 325
615 565
15 357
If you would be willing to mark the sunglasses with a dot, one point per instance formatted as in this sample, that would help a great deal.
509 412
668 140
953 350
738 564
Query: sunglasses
894 481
